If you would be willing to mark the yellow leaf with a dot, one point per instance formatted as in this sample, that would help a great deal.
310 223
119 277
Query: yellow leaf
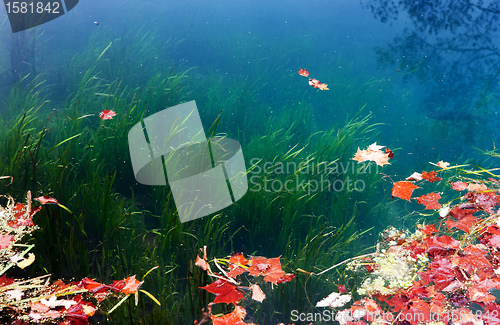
27 261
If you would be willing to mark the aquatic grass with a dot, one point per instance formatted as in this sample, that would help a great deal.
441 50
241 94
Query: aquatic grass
163 91
21 140
322 246
116 227
272 210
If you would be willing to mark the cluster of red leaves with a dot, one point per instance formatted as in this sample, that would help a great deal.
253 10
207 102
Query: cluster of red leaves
74 307
37 299
315 83
228 289
478 196
455 286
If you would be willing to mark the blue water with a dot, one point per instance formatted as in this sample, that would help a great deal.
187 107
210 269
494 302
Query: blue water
420 61
408 62
421 70
425 71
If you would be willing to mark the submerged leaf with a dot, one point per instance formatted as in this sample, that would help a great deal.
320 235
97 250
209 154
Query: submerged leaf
46 200
430 200
107 114
224 291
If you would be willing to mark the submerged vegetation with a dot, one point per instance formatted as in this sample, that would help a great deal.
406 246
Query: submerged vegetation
308 201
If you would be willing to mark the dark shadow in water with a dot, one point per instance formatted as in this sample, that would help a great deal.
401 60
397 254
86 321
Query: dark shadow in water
22 54
448 45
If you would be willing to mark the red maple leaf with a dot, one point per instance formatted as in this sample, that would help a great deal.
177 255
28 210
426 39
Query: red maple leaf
463 224
418 312
490 236
304 72
287 277
46 200
428 229
107 114
473 261
430 200
441 272
78 314
403 190
224 291
93 286
440 245
430 176
478 292
397 301
458 213
480 201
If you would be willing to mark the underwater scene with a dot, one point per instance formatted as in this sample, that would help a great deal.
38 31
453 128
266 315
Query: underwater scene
250 162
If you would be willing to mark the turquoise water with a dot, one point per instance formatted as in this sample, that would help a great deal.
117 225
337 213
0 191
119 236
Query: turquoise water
425 72
416 64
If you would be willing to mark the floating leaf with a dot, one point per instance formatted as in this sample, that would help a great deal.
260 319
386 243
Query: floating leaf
431 176
403 190
372 153
27 261
131 285
304 72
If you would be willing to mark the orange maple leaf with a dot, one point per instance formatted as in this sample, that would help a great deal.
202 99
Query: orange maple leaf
431 176
403 189
131 285
236 261
373 153
269 268
233 318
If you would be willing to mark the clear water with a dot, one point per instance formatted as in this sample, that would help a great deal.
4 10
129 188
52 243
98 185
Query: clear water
426 71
